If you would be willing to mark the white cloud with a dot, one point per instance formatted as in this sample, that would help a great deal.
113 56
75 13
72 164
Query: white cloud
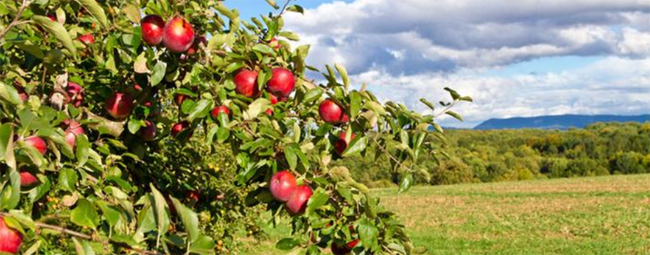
413 48
613 85
447 35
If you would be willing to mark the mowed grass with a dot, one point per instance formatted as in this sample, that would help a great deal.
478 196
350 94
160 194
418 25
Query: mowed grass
600 215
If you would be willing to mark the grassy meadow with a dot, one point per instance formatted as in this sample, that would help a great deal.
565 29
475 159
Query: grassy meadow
595 215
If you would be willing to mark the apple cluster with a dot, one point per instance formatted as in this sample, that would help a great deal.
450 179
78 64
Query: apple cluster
285 188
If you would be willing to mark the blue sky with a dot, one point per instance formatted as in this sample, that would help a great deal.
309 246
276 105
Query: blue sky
515 58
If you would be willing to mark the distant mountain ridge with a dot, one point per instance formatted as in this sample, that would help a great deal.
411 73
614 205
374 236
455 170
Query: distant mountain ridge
557 121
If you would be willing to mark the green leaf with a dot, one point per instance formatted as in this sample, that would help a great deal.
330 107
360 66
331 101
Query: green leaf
427 103
287 244
32 49
201 109
159 72
132 13
160 209
82 247
6 143
57 30
83 150
234 66
312 95
273 4
94 9
290 35
112 215
318 199
264 49
406 183
67 179
258 106
203 245
454 95
189 218
222 134
23 219
9 93
296 8
455 115
11 193
356 145
84 214
368 234
355 104
375 107
344 75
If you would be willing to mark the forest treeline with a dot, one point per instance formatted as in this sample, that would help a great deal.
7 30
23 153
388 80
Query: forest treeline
503 155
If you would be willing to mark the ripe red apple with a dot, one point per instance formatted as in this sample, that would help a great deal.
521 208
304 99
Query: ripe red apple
332 113
10 239
87 38
51 16
193 195
345 249
246 83
38 143
298 202
21 91
75 93
342 143
283 185
274 43
27 179
195 46
148 132
119 105
219 109
152 29
178 35
282 82
72 130
180 98
274 100
179 127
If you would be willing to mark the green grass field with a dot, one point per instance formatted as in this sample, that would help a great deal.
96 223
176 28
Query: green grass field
601 215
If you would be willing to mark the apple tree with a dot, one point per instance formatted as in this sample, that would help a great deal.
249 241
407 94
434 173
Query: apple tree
165 127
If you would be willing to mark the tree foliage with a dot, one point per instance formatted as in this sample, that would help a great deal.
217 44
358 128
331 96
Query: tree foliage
109 145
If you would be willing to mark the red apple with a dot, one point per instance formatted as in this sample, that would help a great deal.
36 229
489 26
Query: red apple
283 185
72 130
344 249
219 109
27 179
298 202
152 29
10 238
196 45
282 82
332 113
87 38
51 16
119 105
275 44
75 93
179 127
274 100
38 143
193 195
21 91
342 143
180 98
148 132
178 35
246 83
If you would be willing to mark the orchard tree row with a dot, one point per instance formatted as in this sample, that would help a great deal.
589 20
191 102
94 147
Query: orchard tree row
117 116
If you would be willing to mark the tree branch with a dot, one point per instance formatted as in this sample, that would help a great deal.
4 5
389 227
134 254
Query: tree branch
16 20
284 8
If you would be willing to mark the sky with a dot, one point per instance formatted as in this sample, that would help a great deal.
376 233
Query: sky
514 58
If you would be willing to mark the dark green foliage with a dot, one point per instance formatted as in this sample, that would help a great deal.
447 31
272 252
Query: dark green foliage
503 155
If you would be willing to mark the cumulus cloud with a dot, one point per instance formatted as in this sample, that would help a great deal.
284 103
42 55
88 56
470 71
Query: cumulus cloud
413 48
613 85
451 34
